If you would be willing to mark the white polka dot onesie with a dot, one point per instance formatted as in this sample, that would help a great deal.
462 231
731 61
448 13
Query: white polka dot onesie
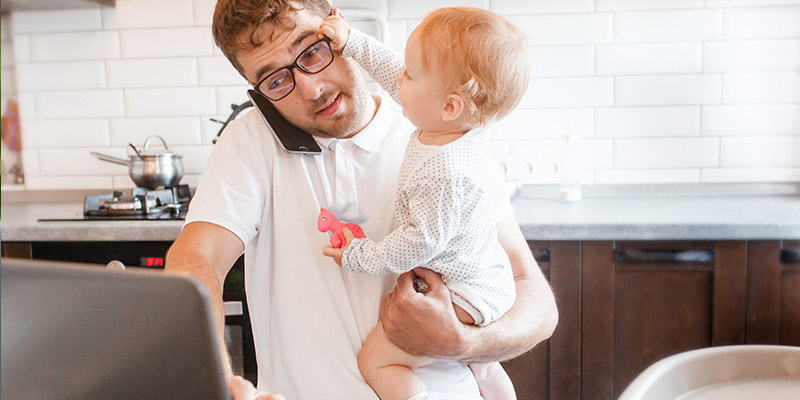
444 209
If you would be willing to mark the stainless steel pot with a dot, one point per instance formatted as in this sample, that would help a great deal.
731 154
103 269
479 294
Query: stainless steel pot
150 169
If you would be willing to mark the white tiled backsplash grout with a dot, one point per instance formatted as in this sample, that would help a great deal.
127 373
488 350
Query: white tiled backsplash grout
661 91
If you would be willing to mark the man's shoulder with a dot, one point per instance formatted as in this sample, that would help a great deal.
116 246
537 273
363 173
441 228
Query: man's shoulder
249 130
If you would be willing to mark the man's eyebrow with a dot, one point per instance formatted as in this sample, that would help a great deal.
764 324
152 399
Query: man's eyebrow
270 67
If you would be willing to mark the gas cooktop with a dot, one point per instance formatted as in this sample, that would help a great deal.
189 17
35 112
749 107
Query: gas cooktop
140 204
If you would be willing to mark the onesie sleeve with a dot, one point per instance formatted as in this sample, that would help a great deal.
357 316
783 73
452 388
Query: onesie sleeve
382 63
434 207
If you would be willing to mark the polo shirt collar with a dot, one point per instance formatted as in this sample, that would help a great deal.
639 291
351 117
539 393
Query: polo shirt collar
373 135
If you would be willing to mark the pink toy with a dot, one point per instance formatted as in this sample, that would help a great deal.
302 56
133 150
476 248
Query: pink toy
327 222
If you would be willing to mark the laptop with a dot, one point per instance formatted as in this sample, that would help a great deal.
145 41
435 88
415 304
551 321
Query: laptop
80 331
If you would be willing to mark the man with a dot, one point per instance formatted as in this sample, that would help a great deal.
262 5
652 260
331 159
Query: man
310 317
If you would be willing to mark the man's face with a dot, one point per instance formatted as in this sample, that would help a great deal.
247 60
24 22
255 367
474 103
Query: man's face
331 103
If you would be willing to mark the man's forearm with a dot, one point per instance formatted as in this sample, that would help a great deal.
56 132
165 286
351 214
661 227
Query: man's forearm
178 261
529 322
426 324
194 253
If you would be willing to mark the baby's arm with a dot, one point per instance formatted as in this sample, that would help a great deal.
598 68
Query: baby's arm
434 207
382 63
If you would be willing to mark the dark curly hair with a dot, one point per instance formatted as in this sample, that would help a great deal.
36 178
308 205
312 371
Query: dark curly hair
236 22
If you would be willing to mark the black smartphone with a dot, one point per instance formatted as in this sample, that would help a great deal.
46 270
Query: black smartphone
291 138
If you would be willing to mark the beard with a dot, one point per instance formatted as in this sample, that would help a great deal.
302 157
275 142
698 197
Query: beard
354 105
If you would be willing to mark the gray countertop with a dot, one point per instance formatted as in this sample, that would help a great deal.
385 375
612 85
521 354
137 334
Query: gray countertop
661 218
635 217
20 222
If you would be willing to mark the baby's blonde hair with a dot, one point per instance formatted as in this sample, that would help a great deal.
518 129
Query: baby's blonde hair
481 56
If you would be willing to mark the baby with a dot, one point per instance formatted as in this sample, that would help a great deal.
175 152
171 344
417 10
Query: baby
464 68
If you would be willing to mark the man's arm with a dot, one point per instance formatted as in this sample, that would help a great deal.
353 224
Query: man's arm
426 324
208 252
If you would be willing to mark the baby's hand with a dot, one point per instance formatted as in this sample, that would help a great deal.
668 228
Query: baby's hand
337 29
335 253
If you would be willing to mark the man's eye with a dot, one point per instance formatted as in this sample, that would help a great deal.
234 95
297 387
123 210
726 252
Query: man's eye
309 57
274 83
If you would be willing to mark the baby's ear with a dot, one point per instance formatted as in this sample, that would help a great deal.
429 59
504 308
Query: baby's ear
453 107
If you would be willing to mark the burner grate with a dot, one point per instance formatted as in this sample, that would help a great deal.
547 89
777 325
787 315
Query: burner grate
166 203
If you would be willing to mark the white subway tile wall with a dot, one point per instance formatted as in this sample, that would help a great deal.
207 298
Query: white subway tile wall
660 91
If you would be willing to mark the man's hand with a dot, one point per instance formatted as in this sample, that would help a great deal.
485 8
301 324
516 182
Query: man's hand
426 324
408 316
337 29
241 389
330 251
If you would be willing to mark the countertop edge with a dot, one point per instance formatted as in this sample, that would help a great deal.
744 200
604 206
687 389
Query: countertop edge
775 217
678 232
169 230
93 231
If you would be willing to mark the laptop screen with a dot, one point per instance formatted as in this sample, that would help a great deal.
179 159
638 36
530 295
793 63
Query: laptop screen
78 331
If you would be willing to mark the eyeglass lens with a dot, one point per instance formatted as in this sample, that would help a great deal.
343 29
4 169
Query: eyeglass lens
314 59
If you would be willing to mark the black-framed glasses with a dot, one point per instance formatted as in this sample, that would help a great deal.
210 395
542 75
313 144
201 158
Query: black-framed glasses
312 60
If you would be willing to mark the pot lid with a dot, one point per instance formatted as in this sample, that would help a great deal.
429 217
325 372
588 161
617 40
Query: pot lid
147 150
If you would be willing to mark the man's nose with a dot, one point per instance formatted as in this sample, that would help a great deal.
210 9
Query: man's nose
309 85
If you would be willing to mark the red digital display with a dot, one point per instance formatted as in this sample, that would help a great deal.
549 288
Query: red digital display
152 262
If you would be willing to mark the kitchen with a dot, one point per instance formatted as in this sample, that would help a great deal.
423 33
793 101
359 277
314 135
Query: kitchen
688 114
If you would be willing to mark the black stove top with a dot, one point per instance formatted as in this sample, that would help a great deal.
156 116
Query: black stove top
140 204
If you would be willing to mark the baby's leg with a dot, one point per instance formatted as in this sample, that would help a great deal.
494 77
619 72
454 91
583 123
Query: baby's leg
493 381
388 369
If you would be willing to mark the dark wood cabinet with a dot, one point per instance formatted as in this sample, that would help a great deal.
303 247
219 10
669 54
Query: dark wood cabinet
773 293
648 300
624 305
16 250
790 293
552 369
530 372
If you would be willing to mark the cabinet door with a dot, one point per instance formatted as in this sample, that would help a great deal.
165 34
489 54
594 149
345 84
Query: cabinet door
552 369
529 372
565 344
773 292
16 249
643 301
790 293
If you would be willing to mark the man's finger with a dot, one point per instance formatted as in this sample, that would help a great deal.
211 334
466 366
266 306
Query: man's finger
405 282
429 276
240 388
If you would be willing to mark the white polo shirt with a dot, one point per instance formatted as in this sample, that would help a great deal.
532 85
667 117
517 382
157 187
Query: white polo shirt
309 316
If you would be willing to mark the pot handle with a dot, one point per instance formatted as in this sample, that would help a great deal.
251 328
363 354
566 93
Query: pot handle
147 142
110 159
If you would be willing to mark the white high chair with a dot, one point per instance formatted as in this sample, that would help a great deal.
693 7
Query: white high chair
727 372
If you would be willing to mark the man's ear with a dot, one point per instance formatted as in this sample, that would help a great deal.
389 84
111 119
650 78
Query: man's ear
453 107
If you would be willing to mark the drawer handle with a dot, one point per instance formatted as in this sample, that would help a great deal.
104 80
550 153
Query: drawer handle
790 256
541 255
642 255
